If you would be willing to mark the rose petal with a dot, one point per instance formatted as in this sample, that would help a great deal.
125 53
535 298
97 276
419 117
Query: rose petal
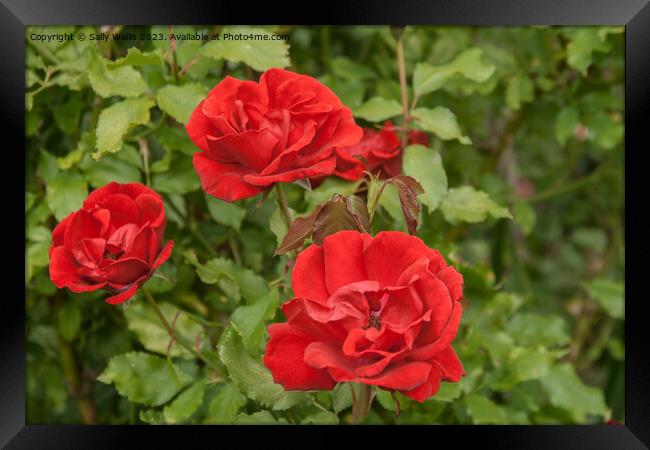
344 262
89 252
163 256
123 296
453 280
150 209
126 270
82 225
451 369
224 181
199 127
426 389
308 276
325 167
122 239
284 357
63 272
390 253
252 149
429 350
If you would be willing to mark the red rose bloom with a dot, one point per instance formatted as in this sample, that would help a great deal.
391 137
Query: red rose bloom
282 129
379 152
381 311
113 242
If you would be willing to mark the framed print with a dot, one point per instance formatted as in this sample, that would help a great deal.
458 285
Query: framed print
373 219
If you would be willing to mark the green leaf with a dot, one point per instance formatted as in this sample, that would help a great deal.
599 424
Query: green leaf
69 320
116 120
68 114
250 285
48 166
448 392
440 121
258 54
378 109
391 203
565 124
565 390
250 320
584 42
225 405
320 417
604 130
144 322
527 364
180 101
180 179
69 160
341 397
520 90
259 418
110 168
123 81
530 329
251 377
144 378
225 213
386 400
525 216
469 64
135 57
350 70
425 166
609 294
182 408
483 411
466 204
175 139
65 193
152 416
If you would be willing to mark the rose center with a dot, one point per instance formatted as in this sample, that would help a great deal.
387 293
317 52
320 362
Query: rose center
374 320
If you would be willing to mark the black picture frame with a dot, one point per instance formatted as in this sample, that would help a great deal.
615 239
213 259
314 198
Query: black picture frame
16 14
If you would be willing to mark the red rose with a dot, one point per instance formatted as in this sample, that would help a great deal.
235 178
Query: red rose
113 242
380 311
282 129
379 152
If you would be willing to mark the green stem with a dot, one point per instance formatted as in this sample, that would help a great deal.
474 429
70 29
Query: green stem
45 53
570 187
361 406
234 249
172 333
72 376
284 207
172 43
401 66
144 151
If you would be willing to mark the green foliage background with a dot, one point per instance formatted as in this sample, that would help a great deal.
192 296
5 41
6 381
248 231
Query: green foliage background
524 194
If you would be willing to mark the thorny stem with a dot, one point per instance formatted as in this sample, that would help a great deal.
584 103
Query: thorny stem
284 207
401 65
172 334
